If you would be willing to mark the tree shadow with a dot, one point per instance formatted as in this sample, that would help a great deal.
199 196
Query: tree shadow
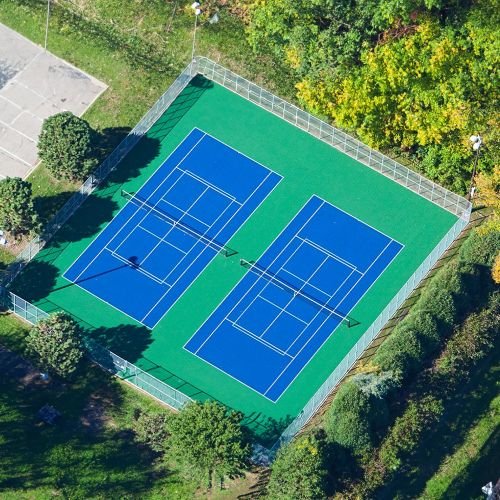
341 465
265 430
107 139
178 109
47 206
66 456
128 341
90 218
36 281
173 380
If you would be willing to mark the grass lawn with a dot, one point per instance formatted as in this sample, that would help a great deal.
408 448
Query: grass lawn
91 451
474 463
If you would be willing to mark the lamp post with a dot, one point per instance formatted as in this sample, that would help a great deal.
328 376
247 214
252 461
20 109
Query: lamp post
47 25
197 11
476 141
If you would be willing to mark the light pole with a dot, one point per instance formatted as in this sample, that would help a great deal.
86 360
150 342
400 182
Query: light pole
476 141
197 11
47 25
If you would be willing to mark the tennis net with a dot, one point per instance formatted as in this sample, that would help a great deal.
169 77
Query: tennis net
259 270
177 223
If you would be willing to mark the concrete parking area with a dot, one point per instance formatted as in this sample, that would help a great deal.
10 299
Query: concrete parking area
34 84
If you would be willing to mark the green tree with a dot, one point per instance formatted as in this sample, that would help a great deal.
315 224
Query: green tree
56 342
65 145
208 441
298 473
151 429
17 213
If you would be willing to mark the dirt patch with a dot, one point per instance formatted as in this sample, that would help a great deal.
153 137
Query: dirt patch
17 367
94 417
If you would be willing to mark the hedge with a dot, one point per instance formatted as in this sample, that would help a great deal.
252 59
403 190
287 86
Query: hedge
481 248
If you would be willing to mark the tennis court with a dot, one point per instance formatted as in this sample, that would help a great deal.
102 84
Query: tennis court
172 228
294 297
306 221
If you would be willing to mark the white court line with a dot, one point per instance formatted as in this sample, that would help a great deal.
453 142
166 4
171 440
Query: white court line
320 326
284 309
126 204
268 283
167 242
183 212
213 186
197 240
149 209
249 290
280 308
223 227
128 220
142 271
239 152
220 370
249 196
317 314
331 254
172 227
258 339
304 282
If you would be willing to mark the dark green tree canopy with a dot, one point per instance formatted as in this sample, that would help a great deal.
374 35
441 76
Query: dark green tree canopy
65 145
56 342
17 213
298 472
208 441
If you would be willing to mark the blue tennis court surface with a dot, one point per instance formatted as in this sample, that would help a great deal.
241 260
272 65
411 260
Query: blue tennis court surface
290 301
171 229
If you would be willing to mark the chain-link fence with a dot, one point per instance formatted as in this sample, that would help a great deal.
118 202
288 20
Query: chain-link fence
336 138
103 357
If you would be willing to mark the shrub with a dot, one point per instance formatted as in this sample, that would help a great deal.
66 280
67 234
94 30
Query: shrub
298 471
56 342
17 213
438 297
426 327
473 341
405 435
402 353
495 270
378 385
65 145
358 409
481 248
151 429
